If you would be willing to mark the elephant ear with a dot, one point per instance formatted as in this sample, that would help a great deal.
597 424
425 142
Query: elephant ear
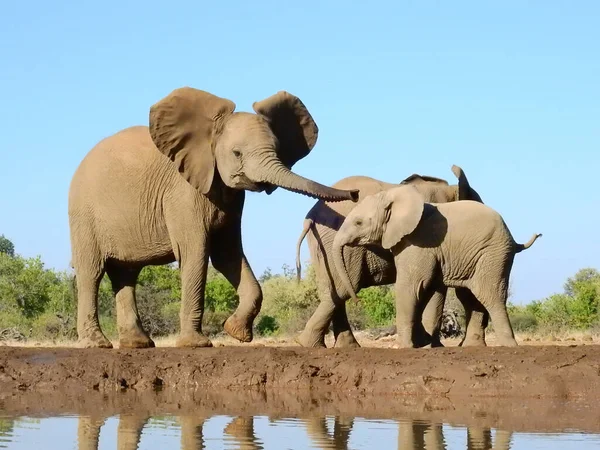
404 207
183 126
291 122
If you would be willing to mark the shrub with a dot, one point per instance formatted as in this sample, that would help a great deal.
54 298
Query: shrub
267 325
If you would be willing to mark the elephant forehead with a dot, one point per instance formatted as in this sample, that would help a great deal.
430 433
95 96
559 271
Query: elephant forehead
246 127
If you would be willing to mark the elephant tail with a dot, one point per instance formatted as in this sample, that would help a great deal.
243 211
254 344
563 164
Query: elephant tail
306 227
526 245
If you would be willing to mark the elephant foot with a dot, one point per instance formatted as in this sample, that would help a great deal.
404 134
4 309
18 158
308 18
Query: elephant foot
310 340
136 340
192 340
346 340
469 341
94 340
507 342
436 343
237 329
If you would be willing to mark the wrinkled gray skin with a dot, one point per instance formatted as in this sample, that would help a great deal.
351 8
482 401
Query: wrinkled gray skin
464 245
374 266
175 191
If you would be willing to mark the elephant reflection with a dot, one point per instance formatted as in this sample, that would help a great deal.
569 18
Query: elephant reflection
316 428
412 435
419 435
242 430
129 432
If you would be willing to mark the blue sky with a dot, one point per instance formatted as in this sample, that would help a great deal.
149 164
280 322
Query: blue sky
507 90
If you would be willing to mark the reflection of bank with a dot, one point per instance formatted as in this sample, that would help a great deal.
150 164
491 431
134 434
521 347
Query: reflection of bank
412 434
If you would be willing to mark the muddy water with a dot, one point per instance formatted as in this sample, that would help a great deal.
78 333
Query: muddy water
133 431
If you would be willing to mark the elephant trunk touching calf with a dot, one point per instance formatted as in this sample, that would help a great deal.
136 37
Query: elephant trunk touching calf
175 191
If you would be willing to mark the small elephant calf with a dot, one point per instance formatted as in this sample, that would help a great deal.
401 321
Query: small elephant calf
465 245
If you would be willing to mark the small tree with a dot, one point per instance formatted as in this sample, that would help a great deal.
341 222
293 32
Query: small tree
6 246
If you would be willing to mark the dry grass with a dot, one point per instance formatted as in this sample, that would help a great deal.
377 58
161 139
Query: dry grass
366 340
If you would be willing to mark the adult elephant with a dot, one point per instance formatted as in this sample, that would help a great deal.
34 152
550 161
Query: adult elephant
175 191
372 265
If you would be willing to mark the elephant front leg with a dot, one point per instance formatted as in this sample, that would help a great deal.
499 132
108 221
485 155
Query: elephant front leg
405 316
193 269
228 258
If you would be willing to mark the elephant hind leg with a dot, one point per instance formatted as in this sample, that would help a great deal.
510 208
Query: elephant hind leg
493 296
88 274
476 318
129 324
342 331
432 316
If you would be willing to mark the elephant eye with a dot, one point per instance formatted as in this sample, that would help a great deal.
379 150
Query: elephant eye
358 222
237 153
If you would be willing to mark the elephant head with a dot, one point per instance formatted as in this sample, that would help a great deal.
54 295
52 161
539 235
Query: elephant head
436 190
383 218
206 139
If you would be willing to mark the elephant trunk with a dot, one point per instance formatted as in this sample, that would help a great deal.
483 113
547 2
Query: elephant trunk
338 262
279 175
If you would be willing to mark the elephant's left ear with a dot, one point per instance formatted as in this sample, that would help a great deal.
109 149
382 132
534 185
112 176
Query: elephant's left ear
404 208
291 122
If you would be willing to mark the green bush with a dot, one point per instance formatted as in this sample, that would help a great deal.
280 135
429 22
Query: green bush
266 325
379 305
40 303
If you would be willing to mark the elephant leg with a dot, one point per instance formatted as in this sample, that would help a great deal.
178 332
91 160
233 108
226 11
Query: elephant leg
413 292
432 315
129 324
476 318
192 432
479 438
88 432
129 431
493 296
193 266
317 326
228 258
406 308
88 279
344 338
315 330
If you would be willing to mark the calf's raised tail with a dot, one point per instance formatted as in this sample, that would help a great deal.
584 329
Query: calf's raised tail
306 227
526 245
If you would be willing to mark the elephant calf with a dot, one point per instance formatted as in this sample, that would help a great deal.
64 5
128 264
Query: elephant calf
465 245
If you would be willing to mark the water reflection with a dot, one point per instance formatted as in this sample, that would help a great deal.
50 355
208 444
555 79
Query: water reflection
193 432
240 432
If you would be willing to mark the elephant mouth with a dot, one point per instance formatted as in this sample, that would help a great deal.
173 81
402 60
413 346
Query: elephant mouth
260 187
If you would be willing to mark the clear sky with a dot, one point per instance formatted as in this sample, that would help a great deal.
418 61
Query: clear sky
508 90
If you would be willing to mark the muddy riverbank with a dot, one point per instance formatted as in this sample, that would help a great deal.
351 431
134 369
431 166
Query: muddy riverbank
546 387
521 372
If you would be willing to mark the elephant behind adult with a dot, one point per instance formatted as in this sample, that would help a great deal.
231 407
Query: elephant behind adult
464 245
175 191
372 266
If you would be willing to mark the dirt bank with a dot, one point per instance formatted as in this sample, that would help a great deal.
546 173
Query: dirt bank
521 372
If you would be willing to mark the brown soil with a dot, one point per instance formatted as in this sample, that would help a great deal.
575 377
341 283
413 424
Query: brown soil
526 387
